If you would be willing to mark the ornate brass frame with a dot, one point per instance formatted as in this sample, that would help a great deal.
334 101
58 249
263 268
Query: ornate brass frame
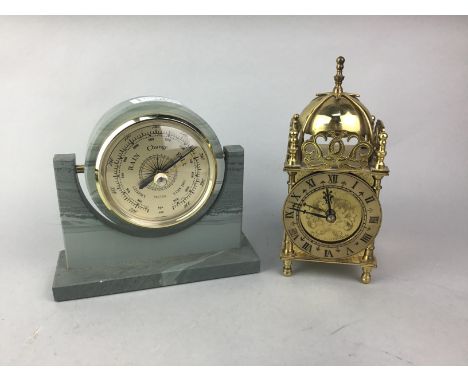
329 150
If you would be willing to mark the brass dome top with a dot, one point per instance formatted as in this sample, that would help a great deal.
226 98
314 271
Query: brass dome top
337 111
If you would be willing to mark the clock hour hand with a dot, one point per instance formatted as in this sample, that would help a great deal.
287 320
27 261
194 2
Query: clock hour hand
331 215
177 159
314 208
308 212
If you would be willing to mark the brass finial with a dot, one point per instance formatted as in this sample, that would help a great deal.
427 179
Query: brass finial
292 142
339 75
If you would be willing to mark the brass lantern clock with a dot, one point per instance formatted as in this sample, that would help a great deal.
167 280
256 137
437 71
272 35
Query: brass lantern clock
335 165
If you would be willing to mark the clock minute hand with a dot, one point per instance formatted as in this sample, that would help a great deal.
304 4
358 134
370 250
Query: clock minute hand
176 160
308 212
314 208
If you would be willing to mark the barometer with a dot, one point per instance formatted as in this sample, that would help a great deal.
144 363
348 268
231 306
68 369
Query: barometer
161 204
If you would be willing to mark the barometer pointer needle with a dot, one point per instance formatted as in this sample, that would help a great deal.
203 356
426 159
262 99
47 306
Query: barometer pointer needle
167 167
146 181
150 178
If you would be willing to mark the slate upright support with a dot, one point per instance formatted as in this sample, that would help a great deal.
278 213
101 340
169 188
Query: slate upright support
99 260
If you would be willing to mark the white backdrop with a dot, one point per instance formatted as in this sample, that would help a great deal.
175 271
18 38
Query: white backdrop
245 76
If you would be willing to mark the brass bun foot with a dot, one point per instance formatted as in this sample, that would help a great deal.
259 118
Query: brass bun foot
366 275
287 268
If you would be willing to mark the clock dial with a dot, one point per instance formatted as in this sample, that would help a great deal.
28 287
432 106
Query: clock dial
341 223
331 215
156 173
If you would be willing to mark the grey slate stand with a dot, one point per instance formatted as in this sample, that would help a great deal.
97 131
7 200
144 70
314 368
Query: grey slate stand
100 260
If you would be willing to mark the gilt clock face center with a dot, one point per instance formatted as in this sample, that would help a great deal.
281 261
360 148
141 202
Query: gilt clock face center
331 218
339 222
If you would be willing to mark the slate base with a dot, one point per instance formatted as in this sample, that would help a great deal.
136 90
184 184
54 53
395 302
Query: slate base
79 283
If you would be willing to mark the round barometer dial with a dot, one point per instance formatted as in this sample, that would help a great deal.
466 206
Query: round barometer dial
155 173
332 215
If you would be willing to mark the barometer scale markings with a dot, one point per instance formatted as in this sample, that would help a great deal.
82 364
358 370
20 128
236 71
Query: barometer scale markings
127 152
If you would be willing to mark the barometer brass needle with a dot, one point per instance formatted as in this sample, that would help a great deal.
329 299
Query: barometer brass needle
150 178
308 212
176 160
146 181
